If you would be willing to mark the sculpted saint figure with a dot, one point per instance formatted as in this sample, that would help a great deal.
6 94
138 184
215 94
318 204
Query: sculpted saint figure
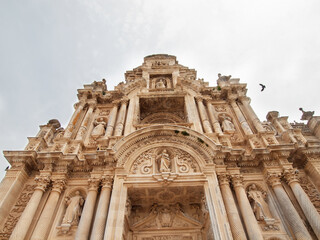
164 161
258 204
74 208
227 125
99 128
160 84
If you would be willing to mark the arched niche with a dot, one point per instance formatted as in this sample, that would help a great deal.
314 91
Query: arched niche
176 140
162 118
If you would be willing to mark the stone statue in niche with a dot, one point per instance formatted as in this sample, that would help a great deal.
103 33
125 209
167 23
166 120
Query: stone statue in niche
73 211
226 124
258 203
163 161
161 83
99 128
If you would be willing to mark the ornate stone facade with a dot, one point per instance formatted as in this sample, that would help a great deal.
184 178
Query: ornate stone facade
165 156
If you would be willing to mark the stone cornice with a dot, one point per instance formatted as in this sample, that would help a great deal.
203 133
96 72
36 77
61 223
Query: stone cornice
22 159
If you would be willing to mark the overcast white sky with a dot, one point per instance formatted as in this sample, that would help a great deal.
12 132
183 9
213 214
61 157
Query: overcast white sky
49 49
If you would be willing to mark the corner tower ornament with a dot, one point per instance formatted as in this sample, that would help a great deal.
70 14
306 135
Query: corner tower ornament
165 155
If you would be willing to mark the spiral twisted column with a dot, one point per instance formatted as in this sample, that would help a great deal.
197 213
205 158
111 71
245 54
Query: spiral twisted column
237 230
308 208
292 216
252 226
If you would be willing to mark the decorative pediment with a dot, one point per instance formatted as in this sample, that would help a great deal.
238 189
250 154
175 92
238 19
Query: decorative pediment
166 217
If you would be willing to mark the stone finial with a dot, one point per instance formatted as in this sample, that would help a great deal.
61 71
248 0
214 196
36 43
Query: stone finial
55 123
101 85
223 78
306 115
272 115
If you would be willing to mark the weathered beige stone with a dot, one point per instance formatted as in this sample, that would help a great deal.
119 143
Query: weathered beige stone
152 159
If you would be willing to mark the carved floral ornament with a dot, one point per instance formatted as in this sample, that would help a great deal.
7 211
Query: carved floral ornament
128 150
164 160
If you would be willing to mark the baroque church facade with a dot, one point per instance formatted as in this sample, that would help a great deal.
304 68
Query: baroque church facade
164 156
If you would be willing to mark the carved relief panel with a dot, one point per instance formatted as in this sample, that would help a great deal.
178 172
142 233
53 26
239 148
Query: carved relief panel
162 160
161 82
16 211
171 213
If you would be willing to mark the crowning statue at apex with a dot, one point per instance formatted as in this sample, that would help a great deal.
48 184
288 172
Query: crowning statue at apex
165 156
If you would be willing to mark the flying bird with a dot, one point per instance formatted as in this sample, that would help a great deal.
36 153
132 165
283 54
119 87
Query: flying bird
263 86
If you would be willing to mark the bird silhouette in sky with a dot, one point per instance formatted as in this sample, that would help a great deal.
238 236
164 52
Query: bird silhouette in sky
263 86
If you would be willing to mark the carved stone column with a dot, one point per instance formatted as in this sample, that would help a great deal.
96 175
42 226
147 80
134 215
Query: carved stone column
203 115
293 218
88 209
119 191
242 120
307 207
232 212
237 230
131 116
255 120
252 226
43 225
84 124
213 118
193 115
25 220
121 117
112 119
73 121
102 210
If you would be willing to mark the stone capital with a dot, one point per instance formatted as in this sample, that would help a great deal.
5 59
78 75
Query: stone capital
124 101
58 185
244 99
237 180
93 184
291 175
224 179
274 179
107 181
199 98
116 103
42 182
